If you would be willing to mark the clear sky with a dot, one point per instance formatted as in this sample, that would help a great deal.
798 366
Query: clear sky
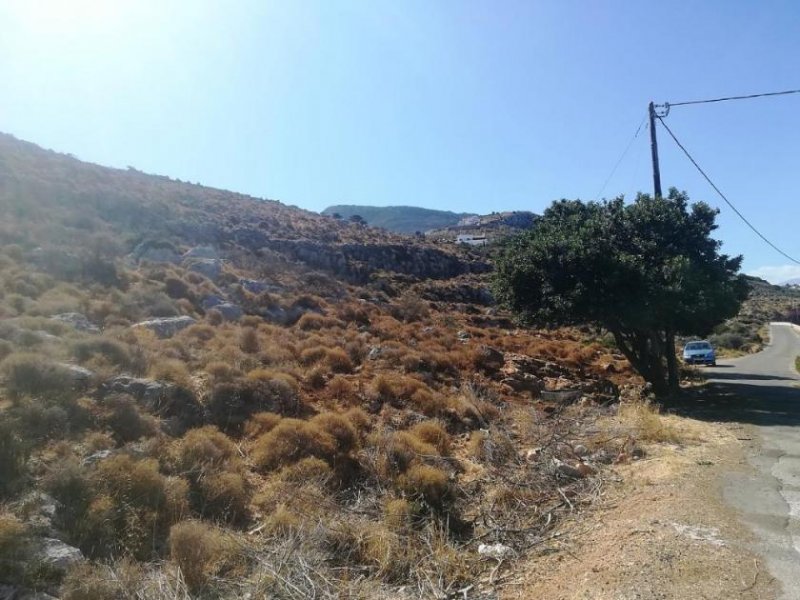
450 104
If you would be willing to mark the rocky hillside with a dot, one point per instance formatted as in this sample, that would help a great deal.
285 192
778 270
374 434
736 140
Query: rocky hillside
767 302
206 395
400 219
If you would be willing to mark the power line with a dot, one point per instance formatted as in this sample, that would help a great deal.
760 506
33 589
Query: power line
621 158
748 97
721 195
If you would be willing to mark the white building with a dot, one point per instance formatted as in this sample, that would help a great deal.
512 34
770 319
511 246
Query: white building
472 240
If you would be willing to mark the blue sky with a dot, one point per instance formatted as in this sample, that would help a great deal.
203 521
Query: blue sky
459 105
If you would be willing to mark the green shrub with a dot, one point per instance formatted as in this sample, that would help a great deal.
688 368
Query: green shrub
231 404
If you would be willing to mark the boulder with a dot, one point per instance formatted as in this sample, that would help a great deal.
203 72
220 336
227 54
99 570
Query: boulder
96 457
57 555
80 375
166 327
211 301
201 252
255 286
209 267
147 390
496 551
489 359
230 311
78 321
156 252
12 592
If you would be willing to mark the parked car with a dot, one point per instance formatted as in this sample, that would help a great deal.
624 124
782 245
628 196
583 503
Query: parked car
700 352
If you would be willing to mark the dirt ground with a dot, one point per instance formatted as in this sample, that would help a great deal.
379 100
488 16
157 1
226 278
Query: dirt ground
660 531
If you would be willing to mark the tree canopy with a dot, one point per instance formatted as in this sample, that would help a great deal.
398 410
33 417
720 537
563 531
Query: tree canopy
645 271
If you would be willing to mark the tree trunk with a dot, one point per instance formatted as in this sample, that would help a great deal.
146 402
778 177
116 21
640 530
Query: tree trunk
645 353
672 362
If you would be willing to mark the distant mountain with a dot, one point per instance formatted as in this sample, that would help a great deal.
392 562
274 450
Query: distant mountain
795 281
401 219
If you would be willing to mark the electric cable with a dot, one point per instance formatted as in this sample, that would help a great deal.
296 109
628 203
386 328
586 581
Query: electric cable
721 195
621 158
748 97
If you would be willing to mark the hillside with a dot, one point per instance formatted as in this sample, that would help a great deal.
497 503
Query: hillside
767 302
207 395
400 219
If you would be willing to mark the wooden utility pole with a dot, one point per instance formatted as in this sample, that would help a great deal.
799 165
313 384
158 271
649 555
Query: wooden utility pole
654 151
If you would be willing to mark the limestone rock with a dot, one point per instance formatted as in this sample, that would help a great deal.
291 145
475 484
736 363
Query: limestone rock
166 327
58 555
229 311
77 320
209 267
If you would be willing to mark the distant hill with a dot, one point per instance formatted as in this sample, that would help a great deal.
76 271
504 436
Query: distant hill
400 219
795 281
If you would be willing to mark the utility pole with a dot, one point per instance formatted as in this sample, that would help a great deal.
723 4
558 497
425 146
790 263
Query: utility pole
654 151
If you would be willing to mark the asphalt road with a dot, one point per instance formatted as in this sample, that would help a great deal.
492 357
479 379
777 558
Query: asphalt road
763 390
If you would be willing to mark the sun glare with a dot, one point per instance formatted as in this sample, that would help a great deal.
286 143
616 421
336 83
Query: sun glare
57 14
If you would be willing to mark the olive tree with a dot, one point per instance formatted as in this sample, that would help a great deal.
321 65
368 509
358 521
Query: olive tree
645 271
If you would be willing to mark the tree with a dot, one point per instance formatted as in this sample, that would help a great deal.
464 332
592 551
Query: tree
358 220
645 271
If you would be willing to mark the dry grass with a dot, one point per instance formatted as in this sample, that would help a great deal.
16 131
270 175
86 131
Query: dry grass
648 424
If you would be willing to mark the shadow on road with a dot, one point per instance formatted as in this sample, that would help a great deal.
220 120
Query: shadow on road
763 405
750 377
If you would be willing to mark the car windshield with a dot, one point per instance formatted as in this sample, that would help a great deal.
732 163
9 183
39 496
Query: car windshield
698 346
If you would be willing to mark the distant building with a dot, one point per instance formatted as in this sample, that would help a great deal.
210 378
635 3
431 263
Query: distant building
472 240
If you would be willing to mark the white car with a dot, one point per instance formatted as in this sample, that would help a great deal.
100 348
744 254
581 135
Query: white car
700 352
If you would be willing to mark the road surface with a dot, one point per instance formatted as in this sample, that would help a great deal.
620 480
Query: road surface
764 390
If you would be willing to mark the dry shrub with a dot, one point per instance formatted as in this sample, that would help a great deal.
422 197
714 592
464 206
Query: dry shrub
206 449
368 544
311 469
126 421
427 483
398 514
198 550
340 388
282 522
222 371
28 373
261 423
291 440
491 446
113 351
310 322
121 506
87 581
200 331
339 361
248 340
401 450
14 549
13 457
433 433
409 308
313 355
316 379
223 496
648 424
429 403
359 418
232 404
172 370
340 429
274 375
391 387
214 317
98 440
